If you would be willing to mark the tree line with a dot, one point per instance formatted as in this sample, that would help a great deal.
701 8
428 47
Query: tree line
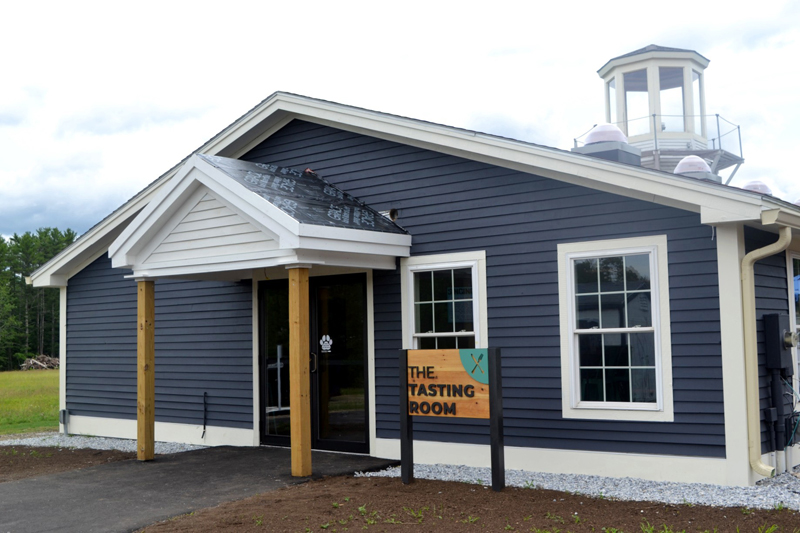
29 317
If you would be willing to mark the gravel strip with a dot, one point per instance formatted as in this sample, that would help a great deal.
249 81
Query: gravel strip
782 490
95 443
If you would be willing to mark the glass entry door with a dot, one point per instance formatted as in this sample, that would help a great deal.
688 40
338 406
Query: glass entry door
338 362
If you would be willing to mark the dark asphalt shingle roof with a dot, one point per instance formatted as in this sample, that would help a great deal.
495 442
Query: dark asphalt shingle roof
304 196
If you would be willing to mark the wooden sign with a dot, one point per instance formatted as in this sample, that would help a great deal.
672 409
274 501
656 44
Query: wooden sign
448 383
452 384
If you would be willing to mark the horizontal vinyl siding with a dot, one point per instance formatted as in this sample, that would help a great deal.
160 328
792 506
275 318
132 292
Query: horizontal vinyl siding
203 344
210 229
772 296
449 204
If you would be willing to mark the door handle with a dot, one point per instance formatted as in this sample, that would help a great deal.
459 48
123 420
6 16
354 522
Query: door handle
313 362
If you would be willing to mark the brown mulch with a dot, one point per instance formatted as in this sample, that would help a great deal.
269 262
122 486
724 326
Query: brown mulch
20 462
385 504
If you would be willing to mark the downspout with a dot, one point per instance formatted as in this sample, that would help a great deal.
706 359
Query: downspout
751 348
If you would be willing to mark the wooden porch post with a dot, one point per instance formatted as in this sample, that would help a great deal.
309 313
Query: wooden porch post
299 378
145 377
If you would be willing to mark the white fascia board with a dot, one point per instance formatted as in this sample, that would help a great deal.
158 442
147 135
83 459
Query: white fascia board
278 110
349 260
564 166
166 197
220 264
203 268
71 260
358 235
710 215
60 268
125 250
354 246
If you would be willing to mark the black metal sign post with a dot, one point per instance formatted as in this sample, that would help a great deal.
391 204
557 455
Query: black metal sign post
496 421
406 426
497 441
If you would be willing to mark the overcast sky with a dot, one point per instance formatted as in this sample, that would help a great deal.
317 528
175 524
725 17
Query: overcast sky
99 99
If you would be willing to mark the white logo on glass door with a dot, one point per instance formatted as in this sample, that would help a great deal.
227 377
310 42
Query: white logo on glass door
326 342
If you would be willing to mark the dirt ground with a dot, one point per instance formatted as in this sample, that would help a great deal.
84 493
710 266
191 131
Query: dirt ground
19 462
384 504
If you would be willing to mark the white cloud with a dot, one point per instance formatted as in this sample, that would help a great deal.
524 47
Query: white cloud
99 98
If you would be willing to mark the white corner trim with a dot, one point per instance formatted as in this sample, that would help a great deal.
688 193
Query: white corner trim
790 255
373 421
663 411
730 250
645 466
476 259
256 373
62 354
165 431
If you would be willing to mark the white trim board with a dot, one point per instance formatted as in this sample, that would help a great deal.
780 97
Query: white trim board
255 324
372 419
730 250
62 356
165 431
716 203
652 467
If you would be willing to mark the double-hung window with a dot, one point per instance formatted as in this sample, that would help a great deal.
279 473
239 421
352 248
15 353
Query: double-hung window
444 301
614 314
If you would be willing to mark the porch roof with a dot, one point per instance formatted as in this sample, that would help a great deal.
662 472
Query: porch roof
221 215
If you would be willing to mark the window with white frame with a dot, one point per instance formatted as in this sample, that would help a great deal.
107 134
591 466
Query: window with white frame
444 301
614 313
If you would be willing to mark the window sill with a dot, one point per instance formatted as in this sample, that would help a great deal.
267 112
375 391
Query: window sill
630 412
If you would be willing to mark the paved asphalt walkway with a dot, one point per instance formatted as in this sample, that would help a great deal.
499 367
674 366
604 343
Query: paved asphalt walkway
128 495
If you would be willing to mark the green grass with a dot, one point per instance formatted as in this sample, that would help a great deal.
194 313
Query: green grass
28 401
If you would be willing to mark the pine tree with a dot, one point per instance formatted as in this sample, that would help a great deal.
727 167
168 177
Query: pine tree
28 316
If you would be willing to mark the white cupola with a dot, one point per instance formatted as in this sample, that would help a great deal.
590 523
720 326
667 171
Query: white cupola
656 96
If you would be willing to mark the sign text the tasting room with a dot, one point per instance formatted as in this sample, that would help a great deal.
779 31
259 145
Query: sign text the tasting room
448 383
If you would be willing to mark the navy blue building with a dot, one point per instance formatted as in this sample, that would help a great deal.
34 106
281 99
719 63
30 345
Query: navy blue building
618 295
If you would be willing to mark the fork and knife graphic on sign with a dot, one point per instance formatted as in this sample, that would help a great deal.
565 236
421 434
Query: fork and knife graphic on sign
477 363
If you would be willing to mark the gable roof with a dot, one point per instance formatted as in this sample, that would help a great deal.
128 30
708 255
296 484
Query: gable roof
220 215
715 203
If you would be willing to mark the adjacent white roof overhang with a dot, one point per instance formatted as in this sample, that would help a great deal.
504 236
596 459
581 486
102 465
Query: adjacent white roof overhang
202 222
716 204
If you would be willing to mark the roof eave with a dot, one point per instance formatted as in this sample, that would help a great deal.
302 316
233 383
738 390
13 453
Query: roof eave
279 108
655 54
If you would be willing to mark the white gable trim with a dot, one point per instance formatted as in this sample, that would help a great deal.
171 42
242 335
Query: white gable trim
273 238
716 204
646 184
